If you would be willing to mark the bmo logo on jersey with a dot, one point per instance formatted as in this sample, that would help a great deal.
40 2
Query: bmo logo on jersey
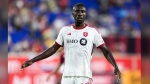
83 41
72 41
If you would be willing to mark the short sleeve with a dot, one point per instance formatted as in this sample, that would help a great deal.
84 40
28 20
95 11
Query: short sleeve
59 39
98 40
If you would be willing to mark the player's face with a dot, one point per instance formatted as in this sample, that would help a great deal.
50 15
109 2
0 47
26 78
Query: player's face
79 14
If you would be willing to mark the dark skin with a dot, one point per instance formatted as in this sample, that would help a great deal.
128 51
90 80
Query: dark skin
79 14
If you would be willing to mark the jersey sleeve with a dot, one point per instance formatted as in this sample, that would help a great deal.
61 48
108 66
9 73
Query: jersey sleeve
98 40
59 39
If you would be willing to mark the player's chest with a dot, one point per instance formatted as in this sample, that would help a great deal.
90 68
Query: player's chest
78 37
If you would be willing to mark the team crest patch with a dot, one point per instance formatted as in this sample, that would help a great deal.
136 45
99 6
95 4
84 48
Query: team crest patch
85 34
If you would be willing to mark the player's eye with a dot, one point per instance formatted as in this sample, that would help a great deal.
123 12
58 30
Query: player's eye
83 11
77 11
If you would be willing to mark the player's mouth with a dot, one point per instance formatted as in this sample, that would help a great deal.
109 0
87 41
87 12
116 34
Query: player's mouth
79 18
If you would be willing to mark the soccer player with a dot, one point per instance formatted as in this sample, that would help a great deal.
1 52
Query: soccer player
78 41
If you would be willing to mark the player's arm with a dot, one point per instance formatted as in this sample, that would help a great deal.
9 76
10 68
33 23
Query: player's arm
108 55
50 51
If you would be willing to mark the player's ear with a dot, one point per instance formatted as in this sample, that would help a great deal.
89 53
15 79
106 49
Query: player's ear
85 14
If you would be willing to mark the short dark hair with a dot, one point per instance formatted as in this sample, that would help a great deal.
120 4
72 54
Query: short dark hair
79 4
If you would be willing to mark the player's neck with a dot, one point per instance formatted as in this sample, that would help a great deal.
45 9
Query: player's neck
79 25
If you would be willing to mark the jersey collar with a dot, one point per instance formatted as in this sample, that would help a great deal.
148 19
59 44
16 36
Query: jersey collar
80 27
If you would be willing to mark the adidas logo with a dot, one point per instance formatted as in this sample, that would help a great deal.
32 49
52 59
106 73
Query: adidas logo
69 34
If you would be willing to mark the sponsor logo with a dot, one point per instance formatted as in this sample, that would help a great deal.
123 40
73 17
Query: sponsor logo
69 34
72 41
83 41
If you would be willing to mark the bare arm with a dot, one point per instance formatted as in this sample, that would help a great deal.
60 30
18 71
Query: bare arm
108 55
50 51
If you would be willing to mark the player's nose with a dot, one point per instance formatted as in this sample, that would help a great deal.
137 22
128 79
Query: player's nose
79 13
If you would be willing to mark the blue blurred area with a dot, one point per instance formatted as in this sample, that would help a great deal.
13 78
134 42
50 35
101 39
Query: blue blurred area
88 4
3 34
3 23
39 21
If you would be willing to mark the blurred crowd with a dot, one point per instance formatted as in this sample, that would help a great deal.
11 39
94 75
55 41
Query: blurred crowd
3 27
33 25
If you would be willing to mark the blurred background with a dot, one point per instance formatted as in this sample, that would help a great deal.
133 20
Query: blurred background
145 48
33 26
3 41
